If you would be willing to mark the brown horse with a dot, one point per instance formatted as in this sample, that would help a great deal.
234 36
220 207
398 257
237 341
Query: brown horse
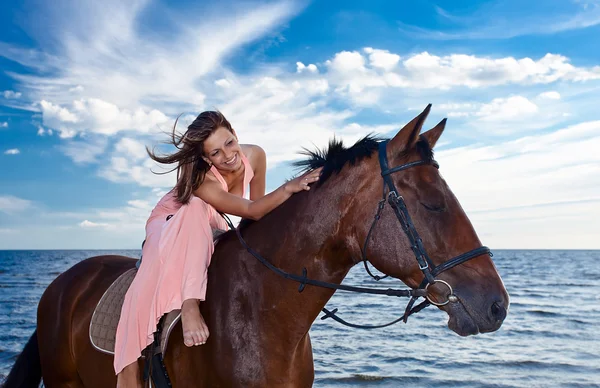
259 321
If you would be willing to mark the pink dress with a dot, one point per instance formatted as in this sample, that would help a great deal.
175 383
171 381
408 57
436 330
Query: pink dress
176 256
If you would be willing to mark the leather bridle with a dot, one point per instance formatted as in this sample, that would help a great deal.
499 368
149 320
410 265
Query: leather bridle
396 201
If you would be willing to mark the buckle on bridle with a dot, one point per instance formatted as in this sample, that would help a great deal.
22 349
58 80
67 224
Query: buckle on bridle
395 195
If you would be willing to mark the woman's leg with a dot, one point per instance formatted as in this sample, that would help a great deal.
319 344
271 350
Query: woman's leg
195 331
130 377
196 244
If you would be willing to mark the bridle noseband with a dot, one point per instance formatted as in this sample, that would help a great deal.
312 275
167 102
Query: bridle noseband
429 270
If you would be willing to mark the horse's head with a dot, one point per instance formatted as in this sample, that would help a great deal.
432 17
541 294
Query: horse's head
479 303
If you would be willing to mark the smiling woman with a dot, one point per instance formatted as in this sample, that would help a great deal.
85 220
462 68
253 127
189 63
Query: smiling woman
213 173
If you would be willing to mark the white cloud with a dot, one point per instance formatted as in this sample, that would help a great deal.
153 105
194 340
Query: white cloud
311 68
121 169
552 95
131 147
347 62
94 115
507 109
472 71
223 83
312 86
3 124
140 204
11 204
12 151
89 224
351 75
42 132
363 80
507 115
9 94
55 115
382 58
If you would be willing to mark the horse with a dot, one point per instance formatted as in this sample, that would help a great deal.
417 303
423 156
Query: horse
259 321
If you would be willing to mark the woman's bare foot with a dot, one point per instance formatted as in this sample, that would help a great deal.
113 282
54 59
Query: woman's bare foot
130 377
195 331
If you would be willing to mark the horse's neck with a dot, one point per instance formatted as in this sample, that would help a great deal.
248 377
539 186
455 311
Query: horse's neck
293 240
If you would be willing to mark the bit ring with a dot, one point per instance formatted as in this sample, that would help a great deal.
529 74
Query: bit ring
449 297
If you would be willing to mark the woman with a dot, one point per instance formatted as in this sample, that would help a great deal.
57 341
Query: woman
213 173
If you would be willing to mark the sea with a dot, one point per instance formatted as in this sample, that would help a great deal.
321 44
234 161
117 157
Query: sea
550 338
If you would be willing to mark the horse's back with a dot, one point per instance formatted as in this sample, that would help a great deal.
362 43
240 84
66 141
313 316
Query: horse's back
64 315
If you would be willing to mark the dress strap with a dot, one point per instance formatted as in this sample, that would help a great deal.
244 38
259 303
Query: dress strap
219 178
248 173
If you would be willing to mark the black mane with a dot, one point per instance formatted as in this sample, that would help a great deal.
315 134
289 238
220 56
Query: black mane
335 157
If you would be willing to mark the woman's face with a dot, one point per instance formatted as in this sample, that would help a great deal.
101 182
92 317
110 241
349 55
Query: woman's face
222 150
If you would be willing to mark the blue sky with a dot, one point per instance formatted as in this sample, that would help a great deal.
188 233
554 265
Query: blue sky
84 86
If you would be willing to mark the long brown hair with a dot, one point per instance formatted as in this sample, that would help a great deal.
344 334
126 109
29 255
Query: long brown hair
191 168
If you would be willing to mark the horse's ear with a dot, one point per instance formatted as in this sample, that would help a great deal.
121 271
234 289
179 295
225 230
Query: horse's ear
434 133
408 136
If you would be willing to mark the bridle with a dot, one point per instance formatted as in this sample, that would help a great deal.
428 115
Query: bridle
396 201
429 270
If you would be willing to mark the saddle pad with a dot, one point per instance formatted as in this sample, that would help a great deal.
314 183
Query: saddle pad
103 327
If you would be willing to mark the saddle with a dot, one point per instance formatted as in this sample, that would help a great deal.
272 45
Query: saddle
103 326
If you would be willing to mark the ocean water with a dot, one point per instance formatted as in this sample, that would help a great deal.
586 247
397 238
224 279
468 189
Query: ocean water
550 338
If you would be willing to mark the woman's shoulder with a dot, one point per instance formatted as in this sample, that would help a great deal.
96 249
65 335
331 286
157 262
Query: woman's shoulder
255 154
252 150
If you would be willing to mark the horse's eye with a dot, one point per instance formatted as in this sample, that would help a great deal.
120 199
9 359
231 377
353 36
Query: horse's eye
434 208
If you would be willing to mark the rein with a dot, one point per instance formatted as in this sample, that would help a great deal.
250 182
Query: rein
429 270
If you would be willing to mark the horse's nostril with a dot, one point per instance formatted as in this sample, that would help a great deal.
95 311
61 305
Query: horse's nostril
498 312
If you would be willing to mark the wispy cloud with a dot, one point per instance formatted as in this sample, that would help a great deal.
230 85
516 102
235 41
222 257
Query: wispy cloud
12 151
3 124
102 74
86 150
90 224
9 94
515 114
498 20
531 170
93 40
10 204
541 187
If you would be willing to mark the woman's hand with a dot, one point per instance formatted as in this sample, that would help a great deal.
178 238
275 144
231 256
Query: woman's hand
302 182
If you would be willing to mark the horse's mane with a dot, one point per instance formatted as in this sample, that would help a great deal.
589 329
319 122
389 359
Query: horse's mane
336 156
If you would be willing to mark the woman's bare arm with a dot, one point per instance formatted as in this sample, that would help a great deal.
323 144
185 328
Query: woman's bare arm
212 193
259 165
